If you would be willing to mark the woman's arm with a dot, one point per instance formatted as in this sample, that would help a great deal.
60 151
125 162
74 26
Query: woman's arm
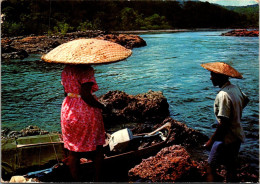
88 97
220 132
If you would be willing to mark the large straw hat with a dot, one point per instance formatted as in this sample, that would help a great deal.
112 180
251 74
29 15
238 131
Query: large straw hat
222 68
87 51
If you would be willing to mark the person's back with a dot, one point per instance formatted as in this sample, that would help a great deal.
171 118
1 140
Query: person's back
225 142
236 101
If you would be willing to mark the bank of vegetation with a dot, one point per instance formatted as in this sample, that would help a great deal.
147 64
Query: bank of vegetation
23 17
251 12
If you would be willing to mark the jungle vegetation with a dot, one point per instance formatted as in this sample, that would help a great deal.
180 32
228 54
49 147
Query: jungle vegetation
24 17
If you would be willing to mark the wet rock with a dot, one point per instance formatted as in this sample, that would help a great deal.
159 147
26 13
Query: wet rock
128 41
171 164
121 107
9 52
242 32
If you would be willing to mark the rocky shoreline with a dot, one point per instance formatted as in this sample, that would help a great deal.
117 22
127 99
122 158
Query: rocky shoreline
242 33
182 160
20 47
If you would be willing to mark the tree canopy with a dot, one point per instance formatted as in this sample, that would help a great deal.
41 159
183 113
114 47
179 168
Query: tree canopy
23 17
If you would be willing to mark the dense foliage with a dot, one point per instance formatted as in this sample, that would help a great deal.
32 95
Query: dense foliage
22 17
250 11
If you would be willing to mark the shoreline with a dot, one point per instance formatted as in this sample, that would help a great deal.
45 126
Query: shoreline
169 30
21 47
180 30
137 31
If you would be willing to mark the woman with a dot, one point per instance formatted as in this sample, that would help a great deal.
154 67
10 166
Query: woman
81 114
81 118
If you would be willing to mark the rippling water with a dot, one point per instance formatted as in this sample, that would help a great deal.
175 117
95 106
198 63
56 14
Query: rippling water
32 93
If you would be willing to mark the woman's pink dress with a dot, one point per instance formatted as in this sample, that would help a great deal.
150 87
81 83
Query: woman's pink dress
82 125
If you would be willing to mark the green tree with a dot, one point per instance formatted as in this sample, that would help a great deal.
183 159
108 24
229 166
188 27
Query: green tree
130 19
12 28
155 22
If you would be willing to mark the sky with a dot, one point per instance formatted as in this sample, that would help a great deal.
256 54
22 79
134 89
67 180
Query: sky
233 2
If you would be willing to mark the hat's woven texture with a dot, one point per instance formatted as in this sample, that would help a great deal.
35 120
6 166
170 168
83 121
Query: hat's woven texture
222 68
87 51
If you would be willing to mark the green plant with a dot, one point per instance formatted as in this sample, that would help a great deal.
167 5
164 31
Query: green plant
155 22
83 26
62 28
130 19
12 28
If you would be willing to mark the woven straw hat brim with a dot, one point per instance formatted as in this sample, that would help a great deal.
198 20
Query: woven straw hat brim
222 68
87 51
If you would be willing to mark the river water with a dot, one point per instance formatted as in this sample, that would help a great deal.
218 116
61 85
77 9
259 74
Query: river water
32 93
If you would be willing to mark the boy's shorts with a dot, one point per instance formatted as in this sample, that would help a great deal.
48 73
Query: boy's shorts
225 154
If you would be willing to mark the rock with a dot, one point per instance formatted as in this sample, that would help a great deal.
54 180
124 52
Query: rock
242 32
5 131
128 41
6 41
28 131
171 164
9 52
43 44
246 173
13 134
183 135
32 130
55 44
8 49
122 108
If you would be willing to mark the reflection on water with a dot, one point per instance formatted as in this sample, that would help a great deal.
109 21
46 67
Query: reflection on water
32 93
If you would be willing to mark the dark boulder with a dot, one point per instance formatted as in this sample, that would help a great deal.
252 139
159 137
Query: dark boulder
123 108
55 44
9 52
20 54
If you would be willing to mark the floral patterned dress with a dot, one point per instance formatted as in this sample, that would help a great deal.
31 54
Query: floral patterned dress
82 125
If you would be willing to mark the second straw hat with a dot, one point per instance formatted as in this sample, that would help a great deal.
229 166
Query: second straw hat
87 51
222 68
